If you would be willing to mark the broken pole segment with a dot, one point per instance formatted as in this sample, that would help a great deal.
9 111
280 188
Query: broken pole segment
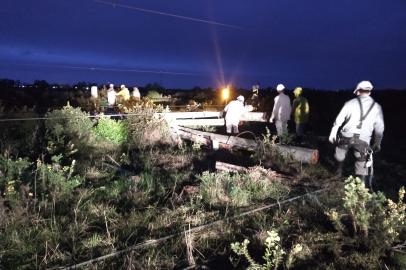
300 154
200 122
227 167
186 118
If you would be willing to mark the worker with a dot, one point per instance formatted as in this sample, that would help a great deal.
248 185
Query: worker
94 91
281 111
136 93
358 120
254 100
124 93
233 111
300 111
111 95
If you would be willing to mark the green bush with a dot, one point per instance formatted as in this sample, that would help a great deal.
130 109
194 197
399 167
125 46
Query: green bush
14 173
115 131
368 221
57 181
69 132
152 94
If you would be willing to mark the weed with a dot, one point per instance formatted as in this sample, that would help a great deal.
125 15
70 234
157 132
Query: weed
270 153
273 252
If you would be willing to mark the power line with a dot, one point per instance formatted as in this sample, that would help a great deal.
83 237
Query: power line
160 72
168 14
68 117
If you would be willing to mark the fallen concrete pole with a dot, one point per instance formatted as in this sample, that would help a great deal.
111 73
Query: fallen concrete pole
254 116
200 122
227 167
224 141
248 117
190 115
300 154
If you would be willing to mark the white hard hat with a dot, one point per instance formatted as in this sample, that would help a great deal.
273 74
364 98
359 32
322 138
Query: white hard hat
364 85
122 86
111 85
240 98
280 87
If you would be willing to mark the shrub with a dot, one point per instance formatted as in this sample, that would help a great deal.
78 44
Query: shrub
14 174
115 131
57 181
152 94
147 130
69 132
371 219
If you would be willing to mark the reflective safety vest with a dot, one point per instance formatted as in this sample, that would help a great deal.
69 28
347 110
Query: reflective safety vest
125 93
301 110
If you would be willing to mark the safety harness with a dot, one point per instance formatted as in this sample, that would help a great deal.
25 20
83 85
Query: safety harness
368 153
359 145
346 141
362 116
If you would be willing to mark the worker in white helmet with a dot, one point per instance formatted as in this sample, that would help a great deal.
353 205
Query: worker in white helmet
358 120
124 93
111 95
234 110
136 93
281 111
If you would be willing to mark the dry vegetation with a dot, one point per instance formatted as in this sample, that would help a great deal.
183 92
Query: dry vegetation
74 189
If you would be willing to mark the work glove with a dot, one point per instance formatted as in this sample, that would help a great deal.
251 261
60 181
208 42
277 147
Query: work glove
333 135
376 147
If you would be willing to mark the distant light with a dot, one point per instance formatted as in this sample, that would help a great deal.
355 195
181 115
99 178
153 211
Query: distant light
225 93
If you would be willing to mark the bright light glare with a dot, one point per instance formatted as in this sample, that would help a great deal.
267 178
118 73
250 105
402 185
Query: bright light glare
226 93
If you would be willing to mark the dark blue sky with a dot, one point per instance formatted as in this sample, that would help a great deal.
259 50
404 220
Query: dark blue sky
320 43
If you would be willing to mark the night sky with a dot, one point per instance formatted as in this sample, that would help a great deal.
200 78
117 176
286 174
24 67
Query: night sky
329 44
